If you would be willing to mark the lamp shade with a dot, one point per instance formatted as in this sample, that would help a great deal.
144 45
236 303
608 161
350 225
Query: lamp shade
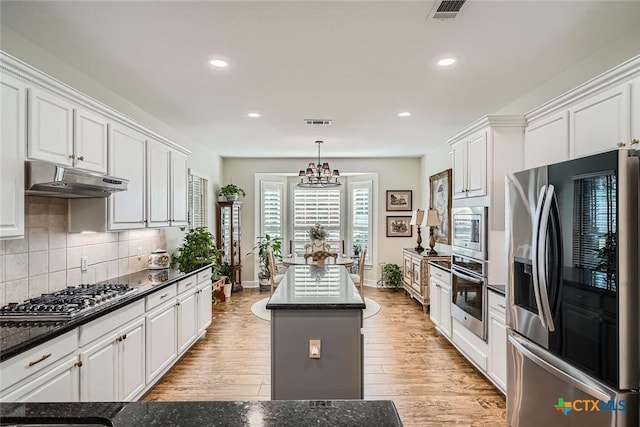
416 217
432 218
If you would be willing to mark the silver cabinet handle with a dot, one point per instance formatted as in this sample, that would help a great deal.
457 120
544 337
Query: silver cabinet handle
502 306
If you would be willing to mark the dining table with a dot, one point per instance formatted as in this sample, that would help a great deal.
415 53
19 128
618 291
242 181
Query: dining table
300 260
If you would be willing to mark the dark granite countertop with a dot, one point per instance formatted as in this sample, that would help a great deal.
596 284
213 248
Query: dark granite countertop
499 289
281 413
316 287
19 336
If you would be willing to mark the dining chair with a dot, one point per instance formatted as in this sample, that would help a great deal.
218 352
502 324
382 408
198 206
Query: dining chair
358 279
320 257
274 277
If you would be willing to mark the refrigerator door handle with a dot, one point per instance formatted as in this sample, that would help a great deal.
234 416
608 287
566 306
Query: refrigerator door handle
534 255
561 369
541 257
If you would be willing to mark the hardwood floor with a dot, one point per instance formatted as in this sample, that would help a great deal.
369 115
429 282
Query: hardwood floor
405 361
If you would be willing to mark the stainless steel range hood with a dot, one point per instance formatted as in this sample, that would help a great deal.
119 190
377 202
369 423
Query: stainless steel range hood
51 180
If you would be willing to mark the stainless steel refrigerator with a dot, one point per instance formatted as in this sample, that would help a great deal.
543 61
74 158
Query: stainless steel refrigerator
573 349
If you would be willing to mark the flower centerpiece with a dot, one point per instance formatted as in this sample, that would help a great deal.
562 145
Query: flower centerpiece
317 232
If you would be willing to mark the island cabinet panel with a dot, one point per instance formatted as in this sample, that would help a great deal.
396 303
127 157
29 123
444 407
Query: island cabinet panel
58 383
161 340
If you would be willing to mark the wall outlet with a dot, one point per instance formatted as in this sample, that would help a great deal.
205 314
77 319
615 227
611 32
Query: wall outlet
84 263
139 252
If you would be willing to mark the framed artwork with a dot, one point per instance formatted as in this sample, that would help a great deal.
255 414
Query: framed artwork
440 200
398 226
399 200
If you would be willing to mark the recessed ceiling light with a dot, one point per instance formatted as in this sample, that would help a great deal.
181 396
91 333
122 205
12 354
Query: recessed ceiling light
254 114
445 62
404 114
218 63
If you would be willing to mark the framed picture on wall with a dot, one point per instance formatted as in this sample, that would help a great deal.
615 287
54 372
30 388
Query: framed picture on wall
399 200
440 200
398 226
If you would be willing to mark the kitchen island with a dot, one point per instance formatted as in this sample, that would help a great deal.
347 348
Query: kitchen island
188 414
316 335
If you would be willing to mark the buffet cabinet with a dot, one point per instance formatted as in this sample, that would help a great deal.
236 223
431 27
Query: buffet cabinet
416 274
229 234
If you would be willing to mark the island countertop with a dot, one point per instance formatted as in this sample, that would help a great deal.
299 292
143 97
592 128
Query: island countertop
316 287
281 413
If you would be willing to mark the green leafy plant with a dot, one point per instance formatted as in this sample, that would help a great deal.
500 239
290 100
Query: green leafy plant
356 249
607 255
198 249
392 274
265 242
231 189
225 269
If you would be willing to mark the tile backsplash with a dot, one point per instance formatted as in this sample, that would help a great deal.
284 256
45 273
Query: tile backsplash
48 258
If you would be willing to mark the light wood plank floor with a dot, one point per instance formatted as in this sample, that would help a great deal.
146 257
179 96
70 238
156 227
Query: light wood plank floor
405 361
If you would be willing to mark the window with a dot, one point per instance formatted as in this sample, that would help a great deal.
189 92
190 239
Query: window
361 216
594 225
197 199
271 208
316 206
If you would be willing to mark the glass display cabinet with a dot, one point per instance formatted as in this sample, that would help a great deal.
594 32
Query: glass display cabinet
228 239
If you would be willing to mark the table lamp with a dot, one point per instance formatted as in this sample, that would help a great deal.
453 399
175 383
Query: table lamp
417 218
431 219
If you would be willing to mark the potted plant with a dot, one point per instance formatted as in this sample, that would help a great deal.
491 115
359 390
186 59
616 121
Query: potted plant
356 249
231 192
225 269
264 243
198 249
392 275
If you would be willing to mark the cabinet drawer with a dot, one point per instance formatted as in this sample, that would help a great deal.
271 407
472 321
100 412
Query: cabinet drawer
497 303
31 361
204 276
187 284
163 295
94 330
440 274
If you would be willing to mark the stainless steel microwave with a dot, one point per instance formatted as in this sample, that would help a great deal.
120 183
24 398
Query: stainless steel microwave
469 231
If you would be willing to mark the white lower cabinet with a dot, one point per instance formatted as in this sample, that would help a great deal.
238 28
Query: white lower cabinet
497 366
205 314
59 383
440 297
113 368
161 340
187 315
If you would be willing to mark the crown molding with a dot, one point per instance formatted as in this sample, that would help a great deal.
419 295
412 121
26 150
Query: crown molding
494 121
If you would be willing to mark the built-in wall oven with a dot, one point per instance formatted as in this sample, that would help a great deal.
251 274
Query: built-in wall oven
469 293
469 231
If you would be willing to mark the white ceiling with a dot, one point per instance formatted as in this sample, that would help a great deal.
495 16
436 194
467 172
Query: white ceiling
358 63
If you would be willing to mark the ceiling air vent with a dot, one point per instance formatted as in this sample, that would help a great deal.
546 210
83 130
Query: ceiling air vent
446 9
317 121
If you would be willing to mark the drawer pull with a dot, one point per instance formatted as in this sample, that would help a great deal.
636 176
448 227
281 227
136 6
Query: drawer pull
189 284
164 296
78 364
124 337
502 306
35 362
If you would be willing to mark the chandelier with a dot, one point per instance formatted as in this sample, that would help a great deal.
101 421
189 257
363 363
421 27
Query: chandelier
319 175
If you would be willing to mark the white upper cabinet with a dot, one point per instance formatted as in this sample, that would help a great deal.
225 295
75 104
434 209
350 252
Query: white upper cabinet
546 140
90 141
600 122
50 128
635 111
178 215
13 104
158 159
127 160
470 166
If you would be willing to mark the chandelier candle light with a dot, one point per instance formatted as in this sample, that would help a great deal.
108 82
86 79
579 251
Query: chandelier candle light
319 175
417 219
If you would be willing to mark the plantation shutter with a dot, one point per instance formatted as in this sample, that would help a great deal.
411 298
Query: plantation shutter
271 208
316 206
361 226
197 199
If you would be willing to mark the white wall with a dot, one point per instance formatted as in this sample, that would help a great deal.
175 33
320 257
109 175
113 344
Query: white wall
401 173
436 160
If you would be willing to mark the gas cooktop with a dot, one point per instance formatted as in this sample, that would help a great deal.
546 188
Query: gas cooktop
65 304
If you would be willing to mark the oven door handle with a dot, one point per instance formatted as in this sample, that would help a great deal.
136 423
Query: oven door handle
534 255
466 277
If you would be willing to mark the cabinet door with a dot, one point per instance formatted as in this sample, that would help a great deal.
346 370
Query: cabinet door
50 128
547 140
187 321
58 384
477 165
600 122
178 215
90 141
205 307
497 369
13 106
445 310
127 160
407 272
635 108
415 280
131 375
99 375
157 184
434 301
459 169
161 340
